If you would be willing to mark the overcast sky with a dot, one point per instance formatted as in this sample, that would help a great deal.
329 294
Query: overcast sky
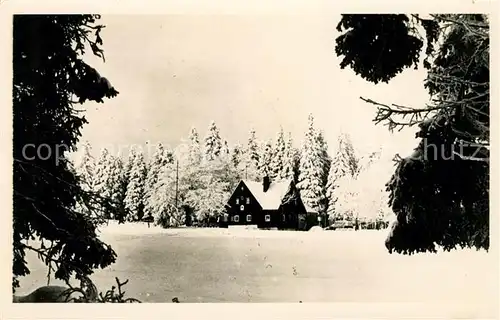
178 71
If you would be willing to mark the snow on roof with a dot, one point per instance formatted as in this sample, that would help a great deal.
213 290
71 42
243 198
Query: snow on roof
271 199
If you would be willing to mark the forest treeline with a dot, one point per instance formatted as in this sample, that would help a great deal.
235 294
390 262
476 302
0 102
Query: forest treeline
192 182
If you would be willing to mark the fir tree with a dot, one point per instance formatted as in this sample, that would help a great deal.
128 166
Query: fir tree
164 208
252 149
225 149
194 147
134 198
266 157
288 168
312 169
50 81
296 155
325 163
344 164
86 171
158 161
236 156
278 161
189 159
103 181
213 146
129 163
119 189
86 166
249 164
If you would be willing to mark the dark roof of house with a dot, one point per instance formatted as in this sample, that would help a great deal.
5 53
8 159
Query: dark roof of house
272 198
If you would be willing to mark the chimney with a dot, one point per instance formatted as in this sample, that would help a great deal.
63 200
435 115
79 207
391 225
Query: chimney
265 183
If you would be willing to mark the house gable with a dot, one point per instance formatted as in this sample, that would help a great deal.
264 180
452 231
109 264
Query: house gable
240 191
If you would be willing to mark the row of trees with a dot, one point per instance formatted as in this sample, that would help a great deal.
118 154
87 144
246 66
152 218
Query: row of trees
194 180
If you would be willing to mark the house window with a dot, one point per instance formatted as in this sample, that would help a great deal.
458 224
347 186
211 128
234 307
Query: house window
284 218
225 218
249 217
236 218
242 207
242 198
267 218
248 200
237 201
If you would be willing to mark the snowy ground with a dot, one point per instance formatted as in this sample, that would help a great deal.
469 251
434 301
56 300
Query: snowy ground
231 265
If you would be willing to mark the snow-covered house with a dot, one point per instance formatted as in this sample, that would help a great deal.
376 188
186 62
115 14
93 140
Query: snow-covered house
268 204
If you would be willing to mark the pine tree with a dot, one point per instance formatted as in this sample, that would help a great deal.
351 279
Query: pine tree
252 149
158 161
237 156
266 157
213 146
344 164
226 173
185 178
50 80
103 181
279 157
225 149
134 198
129 163
86 167
289 159
163 205
312 168
326 162
296 155
119 189
250 158
194 147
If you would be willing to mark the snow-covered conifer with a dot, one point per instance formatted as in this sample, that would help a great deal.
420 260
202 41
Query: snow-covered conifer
85 167
252 149
250 157
344 164
134 198
237 156
103 181
279 157
213 145
118 189
289 160
312 169
194 147
156 163
266 157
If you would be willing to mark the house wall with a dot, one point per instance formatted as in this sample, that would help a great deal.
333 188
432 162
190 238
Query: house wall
289 217
273 217
243 197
